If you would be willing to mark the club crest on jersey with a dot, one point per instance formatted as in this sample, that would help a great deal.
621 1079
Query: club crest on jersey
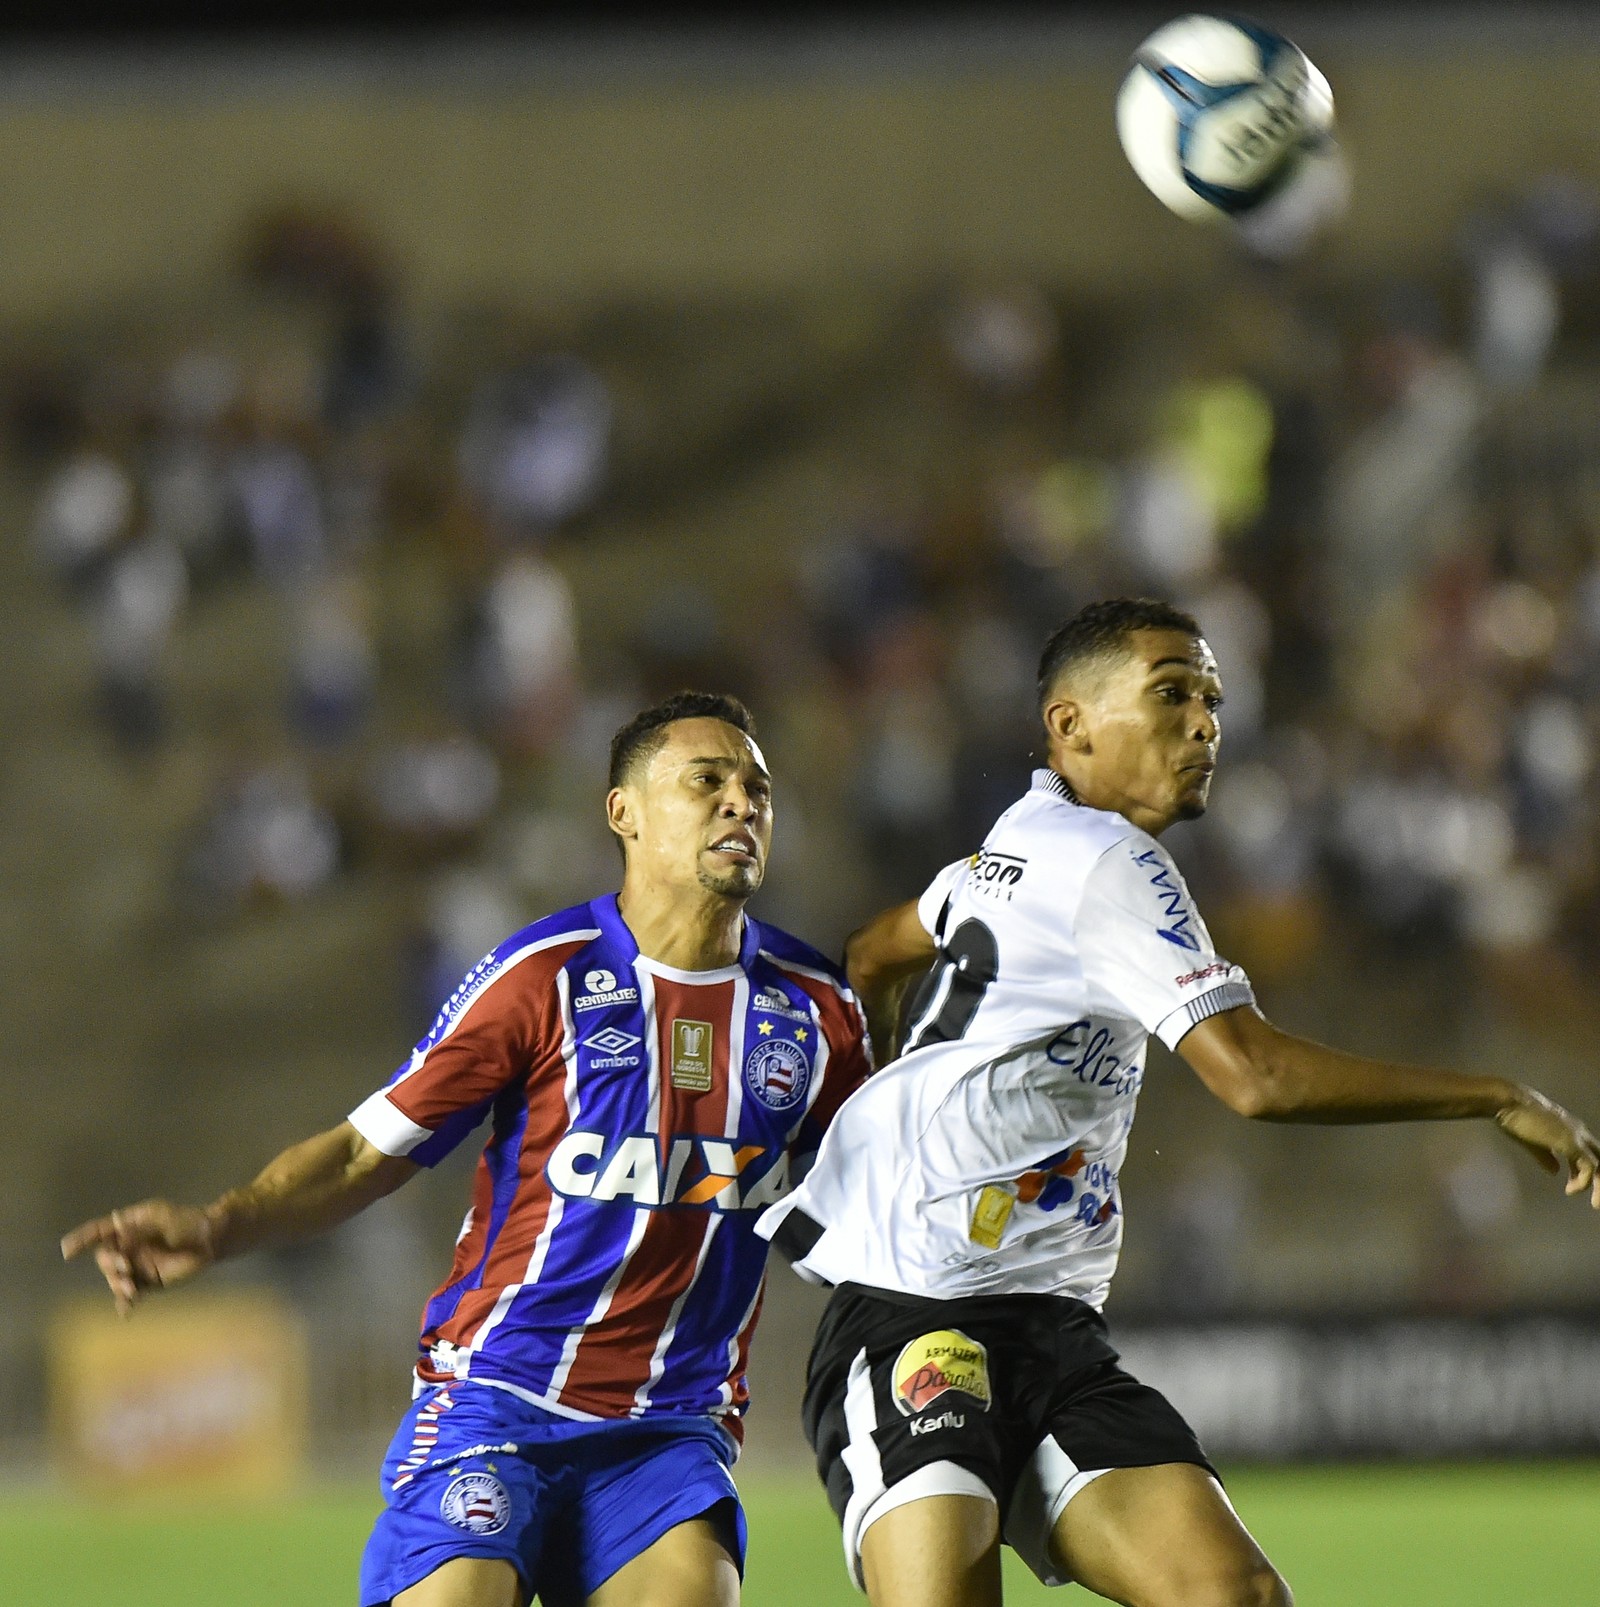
691 1056
778 1073
938 1364
600 987
476 1502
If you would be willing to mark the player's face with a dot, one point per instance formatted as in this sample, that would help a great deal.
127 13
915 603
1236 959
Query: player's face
1152 728
702 810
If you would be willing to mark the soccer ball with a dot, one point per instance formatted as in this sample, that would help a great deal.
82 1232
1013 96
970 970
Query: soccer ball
1217 115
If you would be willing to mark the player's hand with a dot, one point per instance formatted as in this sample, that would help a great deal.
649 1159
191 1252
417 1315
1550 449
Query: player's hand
1555 1137
152 1245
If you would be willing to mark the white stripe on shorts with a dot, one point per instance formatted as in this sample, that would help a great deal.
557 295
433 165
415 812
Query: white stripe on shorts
1047 1484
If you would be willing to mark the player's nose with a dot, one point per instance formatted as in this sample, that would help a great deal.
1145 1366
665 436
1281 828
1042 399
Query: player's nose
736 803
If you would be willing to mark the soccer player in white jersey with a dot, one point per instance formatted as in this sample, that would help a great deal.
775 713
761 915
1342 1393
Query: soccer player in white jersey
965 1202
649 1065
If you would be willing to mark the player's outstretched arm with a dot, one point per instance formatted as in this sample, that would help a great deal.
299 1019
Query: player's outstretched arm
1270 1075
310 1187
880 958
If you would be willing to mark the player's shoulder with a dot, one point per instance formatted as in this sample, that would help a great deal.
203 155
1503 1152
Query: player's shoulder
821 977
791 953
1055 826
575 926
534 953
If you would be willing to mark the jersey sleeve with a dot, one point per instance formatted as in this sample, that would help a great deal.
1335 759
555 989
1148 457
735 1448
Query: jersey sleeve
1145 951
931 905
492 1030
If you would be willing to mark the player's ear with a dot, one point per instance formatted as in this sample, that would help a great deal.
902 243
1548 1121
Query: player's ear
1064 720
621 812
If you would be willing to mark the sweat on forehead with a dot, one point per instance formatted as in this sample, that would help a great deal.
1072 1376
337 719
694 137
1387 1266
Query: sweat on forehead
1102 632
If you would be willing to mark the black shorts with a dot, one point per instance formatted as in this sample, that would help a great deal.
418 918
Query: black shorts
1020 1397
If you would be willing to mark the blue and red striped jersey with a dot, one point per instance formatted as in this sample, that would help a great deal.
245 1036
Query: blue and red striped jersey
640 1119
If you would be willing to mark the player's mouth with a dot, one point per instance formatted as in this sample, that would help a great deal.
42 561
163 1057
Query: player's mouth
738 847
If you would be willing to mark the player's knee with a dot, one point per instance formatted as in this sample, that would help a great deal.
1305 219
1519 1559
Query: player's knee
1258 1585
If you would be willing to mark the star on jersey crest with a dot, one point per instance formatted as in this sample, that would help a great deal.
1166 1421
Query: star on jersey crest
764 1028
801 1034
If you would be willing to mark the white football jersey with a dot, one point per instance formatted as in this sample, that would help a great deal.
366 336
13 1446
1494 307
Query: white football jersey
985 1159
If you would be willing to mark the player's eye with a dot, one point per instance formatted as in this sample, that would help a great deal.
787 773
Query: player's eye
1215 702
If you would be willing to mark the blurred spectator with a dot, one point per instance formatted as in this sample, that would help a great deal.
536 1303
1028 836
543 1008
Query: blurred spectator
1003 339
334 663
281 502
434 793
522 657
535 444
266 837
85 511
138 606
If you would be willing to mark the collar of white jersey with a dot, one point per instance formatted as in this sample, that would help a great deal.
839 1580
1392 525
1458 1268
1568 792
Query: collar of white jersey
1052 781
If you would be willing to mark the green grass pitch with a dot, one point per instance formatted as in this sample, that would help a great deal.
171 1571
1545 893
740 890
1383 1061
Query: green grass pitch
1489 1536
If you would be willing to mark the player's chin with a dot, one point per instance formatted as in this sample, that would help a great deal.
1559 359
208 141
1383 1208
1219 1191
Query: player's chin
731 881
1193 799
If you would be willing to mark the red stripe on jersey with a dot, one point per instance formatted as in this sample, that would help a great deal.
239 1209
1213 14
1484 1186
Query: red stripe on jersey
512 1026
613 1358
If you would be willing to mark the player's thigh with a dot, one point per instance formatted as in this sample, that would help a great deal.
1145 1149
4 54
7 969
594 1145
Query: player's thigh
466 1582
689 1566
941 1551
1164 1536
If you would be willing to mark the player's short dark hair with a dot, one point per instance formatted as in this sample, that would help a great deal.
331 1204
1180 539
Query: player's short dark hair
1100 629
646 733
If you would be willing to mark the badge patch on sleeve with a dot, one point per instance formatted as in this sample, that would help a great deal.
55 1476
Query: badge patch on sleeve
691 1056
938 1364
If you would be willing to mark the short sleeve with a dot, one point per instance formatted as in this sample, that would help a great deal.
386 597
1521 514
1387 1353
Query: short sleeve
486 1037
1145 951
931 904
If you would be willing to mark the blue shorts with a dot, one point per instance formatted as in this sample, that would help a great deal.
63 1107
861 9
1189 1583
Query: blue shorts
473 1471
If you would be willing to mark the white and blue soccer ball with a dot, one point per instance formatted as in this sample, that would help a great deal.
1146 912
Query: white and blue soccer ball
1219 114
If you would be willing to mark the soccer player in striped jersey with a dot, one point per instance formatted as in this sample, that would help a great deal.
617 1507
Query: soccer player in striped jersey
965 1203
654 1068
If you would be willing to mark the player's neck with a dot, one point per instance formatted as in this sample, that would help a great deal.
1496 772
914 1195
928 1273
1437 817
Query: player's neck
689 929
1093 793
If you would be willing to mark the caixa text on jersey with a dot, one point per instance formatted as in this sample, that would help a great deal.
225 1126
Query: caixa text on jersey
714 1174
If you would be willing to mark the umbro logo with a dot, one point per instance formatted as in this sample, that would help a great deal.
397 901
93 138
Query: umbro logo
612 1041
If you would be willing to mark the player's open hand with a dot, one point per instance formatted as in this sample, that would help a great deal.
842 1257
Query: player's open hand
147 1246
1555 1137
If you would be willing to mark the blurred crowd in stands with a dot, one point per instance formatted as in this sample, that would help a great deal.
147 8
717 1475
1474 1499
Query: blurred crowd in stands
1381 502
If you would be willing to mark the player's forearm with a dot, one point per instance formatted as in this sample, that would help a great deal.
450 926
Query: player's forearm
880 959
311 1187
1305 1082
1271 1075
